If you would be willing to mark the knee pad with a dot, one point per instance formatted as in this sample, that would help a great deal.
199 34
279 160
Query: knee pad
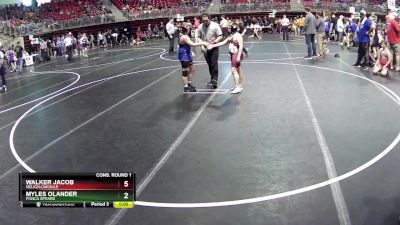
185 72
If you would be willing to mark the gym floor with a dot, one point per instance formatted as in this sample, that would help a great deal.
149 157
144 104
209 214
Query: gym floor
307 142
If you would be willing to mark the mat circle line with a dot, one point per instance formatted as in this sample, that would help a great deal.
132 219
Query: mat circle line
225 61
346 175
11 137
78 77
76 74
353 172
110 63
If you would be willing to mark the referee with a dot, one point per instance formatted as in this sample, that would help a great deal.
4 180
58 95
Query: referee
171 29
2 67
211 33
285 28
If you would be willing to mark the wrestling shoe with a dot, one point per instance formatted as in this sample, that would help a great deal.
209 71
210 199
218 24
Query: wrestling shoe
236 90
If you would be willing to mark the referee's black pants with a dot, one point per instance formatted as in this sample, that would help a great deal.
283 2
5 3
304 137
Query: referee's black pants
69 52
211 57
171 44
285 30
362 52
3 73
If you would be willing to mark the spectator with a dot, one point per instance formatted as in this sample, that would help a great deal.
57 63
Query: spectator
340 29
3 67
384 59
320 27
162 28
350 31
171 32
100 40
114 37
327 29
224 26
364 28
285 28
84 43
12 60
156 31
54 48
149 31
309 30
68 41
43 50
91 41
301 24
20 59
393 37
334 27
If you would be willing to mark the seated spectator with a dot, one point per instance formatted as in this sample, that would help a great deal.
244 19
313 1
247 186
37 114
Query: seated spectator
156 32
137 41
140 35
12 59
149 32
385 57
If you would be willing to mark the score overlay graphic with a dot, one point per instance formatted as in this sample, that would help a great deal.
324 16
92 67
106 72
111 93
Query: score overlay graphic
117 189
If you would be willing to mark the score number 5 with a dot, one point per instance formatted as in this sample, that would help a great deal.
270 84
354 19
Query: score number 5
126 183
126 194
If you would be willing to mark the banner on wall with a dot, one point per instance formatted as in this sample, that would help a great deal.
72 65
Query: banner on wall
391 4
180 18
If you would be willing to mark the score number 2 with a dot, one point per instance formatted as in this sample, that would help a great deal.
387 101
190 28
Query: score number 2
126 185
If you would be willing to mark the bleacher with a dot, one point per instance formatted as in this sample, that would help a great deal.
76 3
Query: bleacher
16 20
159 8
70 9
136 4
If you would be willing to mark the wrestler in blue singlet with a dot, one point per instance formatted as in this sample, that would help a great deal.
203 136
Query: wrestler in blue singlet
185 57
185 53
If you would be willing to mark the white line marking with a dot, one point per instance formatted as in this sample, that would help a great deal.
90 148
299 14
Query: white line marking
16 88
178 141
93 85
63 61
142 56
78 77
60 71
271 53
267 60
353 172
340 203
222 61
205 93
45 64
53 103
212 90
33 93
283 53
130 49
36 111
148 177
274 42
23 76
121 61
386 93
22 163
